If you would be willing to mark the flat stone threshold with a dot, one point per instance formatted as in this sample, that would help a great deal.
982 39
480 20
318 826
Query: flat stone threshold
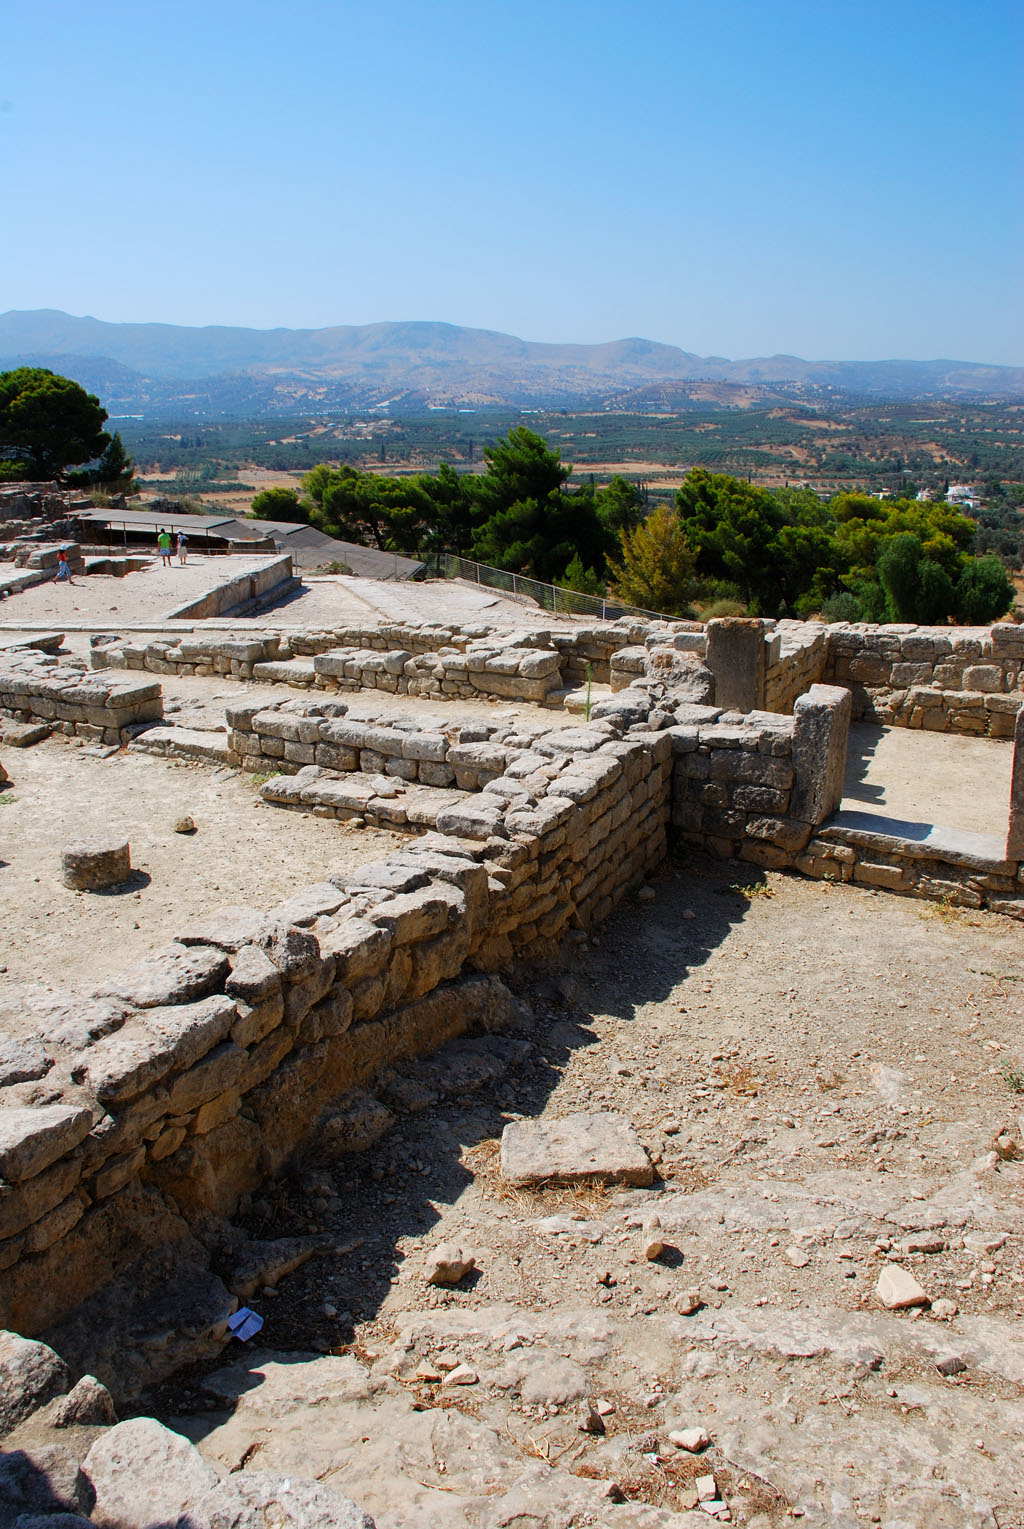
926 841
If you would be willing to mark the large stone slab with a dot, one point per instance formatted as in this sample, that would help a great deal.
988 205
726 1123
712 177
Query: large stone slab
30 1375
574 1150
145 1475
32 1139
254 1499
175 974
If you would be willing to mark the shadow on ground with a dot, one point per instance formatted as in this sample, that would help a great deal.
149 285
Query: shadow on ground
860 753
370 1204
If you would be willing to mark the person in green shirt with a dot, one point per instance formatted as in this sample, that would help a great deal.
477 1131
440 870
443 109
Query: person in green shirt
163 541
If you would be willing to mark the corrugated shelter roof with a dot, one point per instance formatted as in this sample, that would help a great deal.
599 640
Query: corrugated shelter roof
309 547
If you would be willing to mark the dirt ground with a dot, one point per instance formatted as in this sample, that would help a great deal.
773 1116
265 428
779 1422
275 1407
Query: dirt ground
820 1073
243 850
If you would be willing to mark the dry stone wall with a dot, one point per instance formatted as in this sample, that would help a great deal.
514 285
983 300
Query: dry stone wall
755 785
435 661
945 867
795 660
765 788
944 679
184 1082
35 687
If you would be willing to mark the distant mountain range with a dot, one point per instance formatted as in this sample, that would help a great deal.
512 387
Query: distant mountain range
217 370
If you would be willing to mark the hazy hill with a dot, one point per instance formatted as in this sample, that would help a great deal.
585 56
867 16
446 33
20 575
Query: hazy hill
148 367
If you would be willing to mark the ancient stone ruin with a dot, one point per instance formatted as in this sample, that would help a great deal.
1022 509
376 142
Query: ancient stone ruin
136 1118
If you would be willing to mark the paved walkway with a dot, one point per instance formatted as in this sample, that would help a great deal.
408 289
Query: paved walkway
337 599
941 779
147 595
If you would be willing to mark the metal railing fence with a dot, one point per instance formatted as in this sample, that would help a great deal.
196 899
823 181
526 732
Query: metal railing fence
550 597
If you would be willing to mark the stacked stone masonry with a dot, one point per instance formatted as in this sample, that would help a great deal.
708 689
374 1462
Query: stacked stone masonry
795 661
440 662
37 687
188 1080
945 679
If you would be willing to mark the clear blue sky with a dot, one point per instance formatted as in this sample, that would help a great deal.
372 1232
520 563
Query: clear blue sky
739 177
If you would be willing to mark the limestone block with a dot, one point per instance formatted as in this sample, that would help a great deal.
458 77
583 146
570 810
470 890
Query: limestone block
230 928
299 753
540 665
577 1149
216 1073
167 1142
55 1225
789 834
336 757
737 659
309 903
360 949
299 997
429 747
253 977
32 1139
821 726
95 862
30 1375
331 1016
175 974
295 952
118 1172
144 1474
474 818
124 1065
253 1499
875 874
367 999
23 1204
265 1057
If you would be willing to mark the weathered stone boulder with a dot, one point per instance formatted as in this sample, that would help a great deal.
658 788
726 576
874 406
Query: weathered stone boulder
254 1499
144 1474
31 1374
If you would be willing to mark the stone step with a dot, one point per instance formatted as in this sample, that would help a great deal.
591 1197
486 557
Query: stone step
286 671
183 743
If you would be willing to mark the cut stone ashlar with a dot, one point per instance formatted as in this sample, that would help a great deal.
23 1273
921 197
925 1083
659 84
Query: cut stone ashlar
577 1149
94 863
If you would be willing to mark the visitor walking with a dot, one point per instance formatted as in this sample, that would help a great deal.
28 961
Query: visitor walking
63 567
163 541
182 548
